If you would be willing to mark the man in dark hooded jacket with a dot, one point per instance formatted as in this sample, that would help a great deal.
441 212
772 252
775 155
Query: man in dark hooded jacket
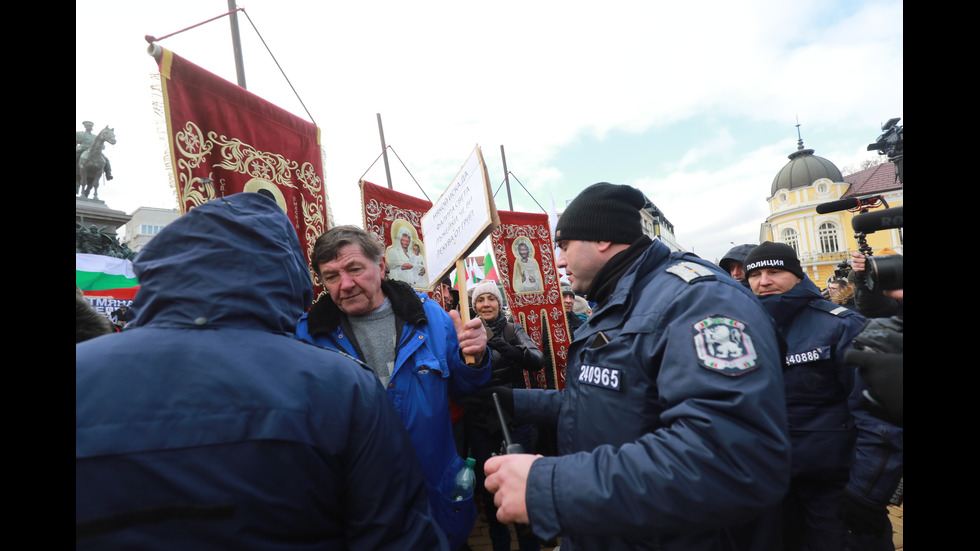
734 261
205 425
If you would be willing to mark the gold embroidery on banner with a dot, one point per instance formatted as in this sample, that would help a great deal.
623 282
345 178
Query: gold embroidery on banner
244 159
313 220
193 151
311 180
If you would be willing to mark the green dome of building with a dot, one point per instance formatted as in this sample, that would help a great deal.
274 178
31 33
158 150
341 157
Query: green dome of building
803 169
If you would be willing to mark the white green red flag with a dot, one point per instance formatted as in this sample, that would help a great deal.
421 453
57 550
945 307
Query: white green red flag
105 276
489 271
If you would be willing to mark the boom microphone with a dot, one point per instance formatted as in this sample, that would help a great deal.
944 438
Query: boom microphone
834 206
881 220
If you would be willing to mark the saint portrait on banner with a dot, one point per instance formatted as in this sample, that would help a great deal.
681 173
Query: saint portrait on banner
527 273
405 257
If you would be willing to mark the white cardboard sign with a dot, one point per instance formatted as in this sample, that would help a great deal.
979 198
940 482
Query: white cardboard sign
462 217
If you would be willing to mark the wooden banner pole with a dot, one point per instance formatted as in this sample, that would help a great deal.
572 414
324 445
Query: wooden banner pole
464 301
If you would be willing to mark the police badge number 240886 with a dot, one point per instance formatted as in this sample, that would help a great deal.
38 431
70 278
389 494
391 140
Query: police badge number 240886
724 345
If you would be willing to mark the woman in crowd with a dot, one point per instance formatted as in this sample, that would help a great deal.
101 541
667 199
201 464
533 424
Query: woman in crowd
512 353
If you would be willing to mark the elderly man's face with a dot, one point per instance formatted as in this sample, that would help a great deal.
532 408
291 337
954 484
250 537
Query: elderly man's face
354 281
737 271
772 281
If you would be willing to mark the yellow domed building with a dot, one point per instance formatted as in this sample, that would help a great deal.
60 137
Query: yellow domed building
822 241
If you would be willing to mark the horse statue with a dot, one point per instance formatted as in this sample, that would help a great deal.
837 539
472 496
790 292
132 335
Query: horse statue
92 163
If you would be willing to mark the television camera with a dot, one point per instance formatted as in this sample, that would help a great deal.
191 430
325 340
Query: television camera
882 272
885 272
892 143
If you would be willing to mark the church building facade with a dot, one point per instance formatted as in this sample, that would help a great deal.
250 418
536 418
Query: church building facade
823 241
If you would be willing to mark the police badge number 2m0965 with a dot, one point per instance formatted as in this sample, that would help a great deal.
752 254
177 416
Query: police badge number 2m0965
603 377
724 345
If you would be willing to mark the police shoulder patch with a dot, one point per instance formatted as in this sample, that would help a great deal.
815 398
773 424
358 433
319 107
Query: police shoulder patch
689 271
723 345
830 307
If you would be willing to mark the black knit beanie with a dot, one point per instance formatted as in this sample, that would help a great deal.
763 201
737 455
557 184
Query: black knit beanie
773 255
603 212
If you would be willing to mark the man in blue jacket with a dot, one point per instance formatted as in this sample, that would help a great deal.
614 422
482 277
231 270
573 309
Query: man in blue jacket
205 425
672 424
846 463
415 348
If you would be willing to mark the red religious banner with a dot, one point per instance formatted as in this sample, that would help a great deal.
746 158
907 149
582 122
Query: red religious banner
395 220
523 250
241 142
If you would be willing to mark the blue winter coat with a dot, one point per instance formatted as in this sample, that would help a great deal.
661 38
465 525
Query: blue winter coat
428 370
204 425
834 438
672 423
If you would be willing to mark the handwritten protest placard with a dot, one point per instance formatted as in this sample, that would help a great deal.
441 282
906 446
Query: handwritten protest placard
460 219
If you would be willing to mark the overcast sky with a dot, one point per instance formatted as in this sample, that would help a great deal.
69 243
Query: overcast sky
694 103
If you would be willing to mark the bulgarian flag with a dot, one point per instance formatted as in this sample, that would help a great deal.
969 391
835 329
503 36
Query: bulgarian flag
489 270
105 276
475 271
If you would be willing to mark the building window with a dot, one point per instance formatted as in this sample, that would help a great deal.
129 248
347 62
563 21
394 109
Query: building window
827 234
791 238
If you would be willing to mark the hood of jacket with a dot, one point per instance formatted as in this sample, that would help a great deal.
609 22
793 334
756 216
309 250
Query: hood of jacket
738 253
233 262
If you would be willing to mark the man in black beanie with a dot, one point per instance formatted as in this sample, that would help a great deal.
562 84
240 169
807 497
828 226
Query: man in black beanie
775 267
672 424
846 463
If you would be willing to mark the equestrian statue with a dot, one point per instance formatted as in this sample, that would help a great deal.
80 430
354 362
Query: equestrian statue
90 162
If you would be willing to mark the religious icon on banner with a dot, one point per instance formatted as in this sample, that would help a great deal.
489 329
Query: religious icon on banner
527 273
405 256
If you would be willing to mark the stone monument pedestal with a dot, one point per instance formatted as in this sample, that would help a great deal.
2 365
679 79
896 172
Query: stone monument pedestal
89 212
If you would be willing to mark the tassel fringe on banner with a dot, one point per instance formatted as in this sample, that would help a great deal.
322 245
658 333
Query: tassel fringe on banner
160 121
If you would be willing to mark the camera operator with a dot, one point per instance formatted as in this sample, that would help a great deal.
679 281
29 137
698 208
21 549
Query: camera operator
875 303
878 350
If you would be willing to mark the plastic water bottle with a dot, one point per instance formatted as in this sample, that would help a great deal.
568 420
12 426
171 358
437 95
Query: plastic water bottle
465 479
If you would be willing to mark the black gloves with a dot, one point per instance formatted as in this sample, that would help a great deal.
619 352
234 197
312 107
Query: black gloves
484 397
481 406
863 518
506 397
883 373
506 349
879 354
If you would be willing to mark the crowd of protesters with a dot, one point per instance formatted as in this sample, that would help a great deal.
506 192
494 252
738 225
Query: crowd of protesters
706 406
